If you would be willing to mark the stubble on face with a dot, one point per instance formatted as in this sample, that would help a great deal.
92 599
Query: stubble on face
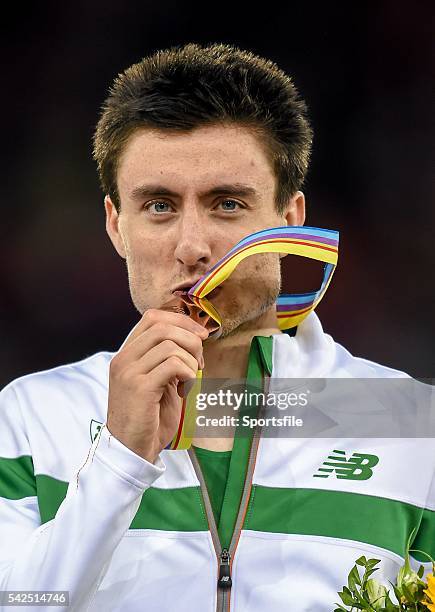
217 155
249 293
246 295
141 280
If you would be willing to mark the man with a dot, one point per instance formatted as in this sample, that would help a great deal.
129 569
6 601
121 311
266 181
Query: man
196 148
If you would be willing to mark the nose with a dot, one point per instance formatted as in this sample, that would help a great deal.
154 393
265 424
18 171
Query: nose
193 240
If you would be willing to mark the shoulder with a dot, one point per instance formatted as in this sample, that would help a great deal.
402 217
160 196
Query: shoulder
90 372
343 363
314 353
347 363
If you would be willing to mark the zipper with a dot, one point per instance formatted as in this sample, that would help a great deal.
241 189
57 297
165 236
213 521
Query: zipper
224 580
225 556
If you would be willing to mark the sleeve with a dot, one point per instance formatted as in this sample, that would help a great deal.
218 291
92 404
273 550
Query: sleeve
71 552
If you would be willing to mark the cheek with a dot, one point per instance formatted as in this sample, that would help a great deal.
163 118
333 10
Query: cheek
150 271
264 268
144 251
252 283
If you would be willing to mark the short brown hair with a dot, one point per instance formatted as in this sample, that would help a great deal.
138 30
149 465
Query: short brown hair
182 88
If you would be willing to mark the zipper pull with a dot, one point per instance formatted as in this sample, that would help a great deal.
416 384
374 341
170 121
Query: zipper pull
225 581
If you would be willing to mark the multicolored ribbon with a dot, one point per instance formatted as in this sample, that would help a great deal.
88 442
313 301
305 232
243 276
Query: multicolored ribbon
309 242
291 308
182 439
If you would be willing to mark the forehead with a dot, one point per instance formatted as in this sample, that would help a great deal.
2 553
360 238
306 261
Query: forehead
198 158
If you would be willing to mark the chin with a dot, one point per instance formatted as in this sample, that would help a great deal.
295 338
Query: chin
232 328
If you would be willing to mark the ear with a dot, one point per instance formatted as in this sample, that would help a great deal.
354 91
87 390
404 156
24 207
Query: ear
112 227
294 213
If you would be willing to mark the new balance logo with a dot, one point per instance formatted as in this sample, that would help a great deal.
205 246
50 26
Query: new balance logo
358 467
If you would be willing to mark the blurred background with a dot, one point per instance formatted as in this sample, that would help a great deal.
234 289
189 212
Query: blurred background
366 71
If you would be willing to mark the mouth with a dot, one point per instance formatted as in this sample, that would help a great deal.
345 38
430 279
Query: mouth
185 287
186 305
184 291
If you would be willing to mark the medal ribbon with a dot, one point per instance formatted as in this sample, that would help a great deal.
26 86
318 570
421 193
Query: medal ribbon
291 308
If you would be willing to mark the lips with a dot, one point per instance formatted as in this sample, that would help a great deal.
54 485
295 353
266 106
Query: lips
186 286
210 296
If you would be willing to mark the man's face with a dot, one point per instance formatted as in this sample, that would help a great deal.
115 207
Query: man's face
186 199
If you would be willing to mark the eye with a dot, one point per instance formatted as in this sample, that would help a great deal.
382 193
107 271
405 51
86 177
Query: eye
159 207
231 202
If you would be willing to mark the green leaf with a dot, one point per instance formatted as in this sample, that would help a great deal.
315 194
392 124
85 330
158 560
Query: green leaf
363 603
420 571
371 571
353 579
368 572
408 594
397 592
346 598
373 562
361 561
346 590
389 605
376 593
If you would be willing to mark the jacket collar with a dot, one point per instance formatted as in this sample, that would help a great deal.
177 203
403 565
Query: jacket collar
310 353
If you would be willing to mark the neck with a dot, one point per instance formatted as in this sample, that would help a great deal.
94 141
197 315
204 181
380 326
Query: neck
228 357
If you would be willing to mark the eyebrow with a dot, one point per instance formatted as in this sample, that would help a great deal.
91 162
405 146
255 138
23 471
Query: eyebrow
226 189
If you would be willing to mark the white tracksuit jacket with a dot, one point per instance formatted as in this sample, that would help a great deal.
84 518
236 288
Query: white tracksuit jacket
121 534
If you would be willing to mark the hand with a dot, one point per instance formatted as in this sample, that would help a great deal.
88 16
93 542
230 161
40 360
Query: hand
163 350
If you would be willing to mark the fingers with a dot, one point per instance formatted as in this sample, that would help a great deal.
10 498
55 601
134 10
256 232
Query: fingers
153 316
